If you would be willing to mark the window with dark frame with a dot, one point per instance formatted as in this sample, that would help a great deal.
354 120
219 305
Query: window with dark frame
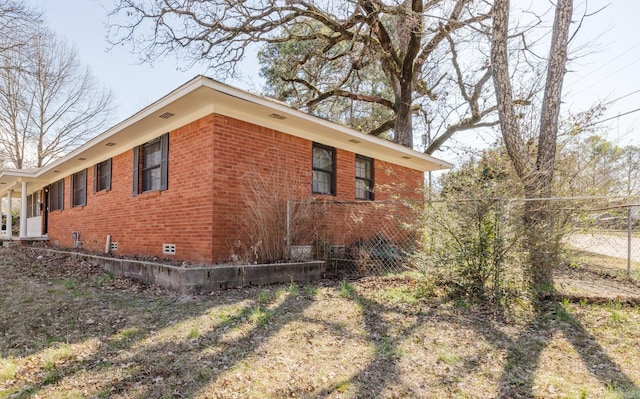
79 188
56 196
150 165
364 178
324 167
102 176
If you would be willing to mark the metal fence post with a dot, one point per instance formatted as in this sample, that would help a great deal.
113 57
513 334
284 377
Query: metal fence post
288 229
629 225
498 247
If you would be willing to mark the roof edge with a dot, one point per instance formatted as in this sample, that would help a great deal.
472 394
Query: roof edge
204 81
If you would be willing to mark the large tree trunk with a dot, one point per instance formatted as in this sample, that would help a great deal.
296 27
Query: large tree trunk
537 175
404 127
540 239
410 32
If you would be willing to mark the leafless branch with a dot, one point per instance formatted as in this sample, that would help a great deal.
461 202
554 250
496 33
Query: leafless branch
50 104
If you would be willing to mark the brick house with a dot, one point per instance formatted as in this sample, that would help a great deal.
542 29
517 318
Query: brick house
171 180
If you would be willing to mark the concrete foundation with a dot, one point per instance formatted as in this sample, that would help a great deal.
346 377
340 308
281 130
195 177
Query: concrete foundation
205 279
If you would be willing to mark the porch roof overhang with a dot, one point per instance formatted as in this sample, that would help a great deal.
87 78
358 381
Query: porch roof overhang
203 96
11 180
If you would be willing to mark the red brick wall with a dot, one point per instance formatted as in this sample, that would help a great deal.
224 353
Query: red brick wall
140 224
211 162
352 221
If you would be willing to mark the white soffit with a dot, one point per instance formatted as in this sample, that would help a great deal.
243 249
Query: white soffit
255 109
203 96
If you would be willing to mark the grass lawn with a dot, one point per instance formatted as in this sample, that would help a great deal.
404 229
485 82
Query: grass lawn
603 265
68 330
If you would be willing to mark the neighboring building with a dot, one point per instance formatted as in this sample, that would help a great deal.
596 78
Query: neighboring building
171 180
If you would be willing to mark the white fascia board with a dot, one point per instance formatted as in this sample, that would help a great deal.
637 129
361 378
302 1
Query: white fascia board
11 179
373 146
71 163
138 117
202 96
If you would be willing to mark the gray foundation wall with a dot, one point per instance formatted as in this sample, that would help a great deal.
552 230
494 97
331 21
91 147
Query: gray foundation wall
205 279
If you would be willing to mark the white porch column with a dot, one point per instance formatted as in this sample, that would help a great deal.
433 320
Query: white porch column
9 218
23 211
4 229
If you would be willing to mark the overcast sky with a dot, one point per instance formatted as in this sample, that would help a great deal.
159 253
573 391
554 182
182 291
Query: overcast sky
609 70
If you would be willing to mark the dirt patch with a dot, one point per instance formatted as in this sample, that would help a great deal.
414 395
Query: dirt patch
68 330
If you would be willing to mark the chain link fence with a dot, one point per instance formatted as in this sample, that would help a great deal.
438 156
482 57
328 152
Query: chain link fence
597 232
608 235
366 237
483 239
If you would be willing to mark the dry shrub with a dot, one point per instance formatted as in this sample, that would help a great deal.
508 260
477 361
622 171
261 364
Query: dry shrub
270 192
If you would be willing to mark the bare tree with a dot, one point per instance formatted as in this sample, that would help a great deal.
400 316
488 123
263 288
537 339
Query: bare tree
17 26
70 106
630 170
51 104
386 57
534 164
14 108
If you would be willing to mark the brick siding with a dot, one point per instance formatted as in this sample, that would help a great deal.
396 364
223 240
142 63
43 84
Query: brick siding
211 162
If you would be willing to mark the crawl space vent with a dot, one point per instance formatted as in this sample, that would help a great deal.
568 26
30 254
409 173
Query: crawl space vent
169 249
114 246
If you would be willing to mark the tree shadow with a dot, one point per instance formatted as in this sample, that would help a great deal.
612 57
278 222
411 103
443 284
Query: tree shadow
151 366
523 353
157 368
382 371
231 353
70 310
379 373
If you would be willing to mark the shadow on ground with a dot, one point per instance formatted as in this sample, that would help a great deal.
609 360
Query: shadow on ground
71 331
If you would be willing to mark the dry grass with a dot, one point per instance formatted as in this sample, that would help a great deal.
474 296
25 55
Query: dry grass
69 331
607 266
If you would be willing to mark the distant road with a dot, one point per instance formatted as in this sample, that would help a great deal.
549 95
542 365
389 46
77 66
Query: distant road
606 245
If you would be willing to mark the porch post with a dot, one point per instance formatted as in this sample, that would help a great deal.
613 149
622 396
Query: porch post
3 229
9 230
23 211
